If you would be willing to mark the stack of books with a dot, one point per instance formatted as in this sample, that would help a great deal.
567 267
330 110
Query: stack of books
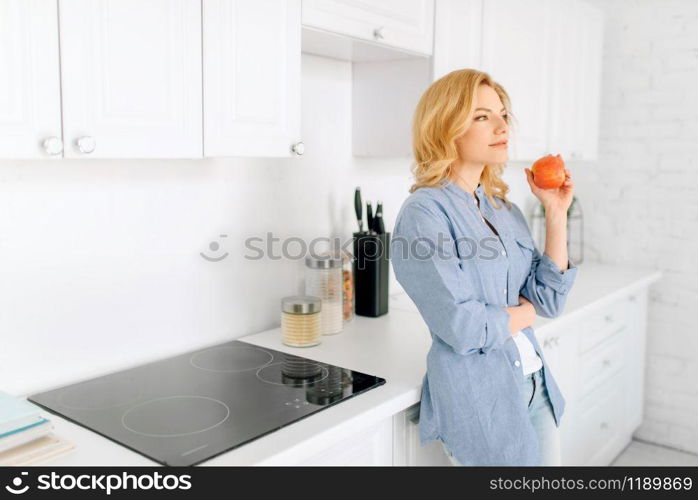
25 436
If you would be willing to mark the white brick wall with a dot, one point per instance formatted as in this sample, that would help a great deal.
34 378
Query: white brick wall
641 198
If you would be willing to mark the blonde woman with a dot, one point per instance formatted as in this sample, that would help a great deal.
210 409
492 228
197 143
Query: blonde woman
464 254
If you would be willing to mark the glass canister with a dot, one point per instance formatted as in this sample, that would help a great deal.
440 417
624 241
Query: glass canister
347 283
323 278
300 320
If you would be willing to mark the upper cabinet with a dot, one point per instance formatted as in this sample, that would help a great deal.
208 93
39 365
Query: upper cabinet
30 102
577 56
547 54
403 24
195 78
515 51
252 53
131 78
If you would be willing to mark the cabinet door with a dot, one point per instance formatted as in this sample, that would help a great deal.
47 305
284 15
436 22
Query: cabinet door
575 73
589 67
515 52
457 35
252 57
405 24
30 102
372 446
131 78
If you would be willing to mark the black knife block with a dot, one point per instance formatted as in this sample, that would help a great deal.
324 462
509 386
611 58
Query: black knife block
371 266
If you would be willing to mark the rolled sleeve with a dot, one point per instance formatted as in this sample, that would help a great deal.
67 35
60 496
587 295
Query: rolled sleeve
426 264
552 276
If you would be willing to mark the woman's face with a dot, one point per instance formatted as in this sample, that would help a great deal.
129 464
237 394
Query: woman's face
489 125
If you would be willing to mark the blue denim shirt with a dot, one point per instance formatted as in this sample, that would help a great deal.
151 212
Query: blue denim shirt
461 276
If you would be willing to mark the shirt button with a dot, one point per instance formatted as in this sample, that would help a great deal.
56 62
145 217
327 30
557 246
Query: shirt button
505 290
504 252
517 363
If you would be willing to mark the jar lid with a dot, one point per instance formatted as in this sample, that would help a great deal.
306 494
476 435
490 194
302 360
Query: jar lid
323 262
301 304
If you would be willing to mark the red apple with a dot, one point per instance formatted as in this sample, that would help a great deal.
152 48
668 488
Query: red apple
549 172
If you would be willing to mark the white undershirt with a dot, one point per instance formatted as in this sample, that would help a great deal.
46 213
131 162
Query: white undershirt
530 361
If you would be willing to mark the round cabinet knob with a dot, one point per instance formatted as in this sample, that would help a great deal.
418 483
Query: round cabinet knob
606 363
86 144
53 146
298 148
378 33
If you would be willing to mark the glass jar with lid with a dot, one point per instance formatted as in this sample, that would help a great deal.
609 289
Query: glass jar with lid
323 279
300 320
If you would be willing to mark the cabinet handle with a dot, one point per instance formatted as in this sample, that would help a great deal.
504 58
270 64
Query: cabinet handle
378 33
606 363
53 146
86 144
298 148
604 425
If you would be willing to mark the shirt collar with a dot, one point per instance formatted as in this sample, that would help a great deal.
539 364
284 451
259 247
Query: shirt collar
461 193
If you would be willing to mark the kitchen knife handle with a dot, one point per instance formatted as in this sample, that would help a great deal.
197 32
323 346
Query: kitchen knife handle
358 207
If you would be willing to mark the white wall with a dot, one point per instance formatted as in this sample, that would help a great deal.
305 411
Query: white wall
643 206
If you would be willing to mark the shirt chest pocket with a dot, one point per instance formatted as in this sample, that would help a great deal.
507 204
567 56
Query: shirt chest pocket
526 247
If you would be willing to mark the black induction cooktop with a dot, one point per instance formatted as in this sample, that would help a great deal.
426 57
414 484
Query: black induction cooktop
189 408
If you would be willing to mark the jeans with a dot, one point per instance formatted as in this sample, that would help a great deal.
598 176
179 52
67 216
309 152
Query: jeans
540 411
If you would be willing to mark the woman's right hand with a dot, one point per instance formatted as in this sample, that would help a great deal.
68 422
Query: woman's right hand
526 304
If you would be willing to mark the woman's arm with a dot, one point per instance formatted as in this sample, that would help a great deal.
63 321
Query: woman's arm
556 236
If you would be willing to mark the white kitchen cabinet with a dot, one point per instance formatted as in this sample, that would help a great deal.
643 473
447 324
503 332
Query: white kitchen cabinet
403 24
457 36
516 39
408 449
576 60
252 65
30 105
372 446
605 404
131 78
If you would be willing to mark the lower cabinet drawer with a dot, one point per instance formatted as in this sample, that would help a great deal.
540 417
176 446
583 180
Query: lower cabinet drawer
603 324
597 424
599 364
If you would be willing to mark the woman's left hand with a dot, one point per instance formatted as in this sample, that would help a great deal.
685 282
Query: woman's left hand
556 199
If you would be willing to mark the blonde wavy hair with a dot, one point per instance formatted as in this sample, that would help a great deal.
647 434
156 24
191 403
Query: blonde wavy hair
443 114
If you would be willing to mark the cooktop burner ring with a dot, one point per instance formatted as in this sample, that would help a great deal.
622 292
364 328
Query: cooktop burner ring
220 405
325 373
256 364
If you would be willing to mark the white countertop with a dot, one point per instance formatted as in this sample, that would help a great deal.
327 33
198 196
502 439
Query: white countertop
393 346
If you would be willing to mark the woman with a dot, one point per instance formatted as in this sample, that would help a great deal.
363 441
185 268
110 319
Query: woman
465 256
